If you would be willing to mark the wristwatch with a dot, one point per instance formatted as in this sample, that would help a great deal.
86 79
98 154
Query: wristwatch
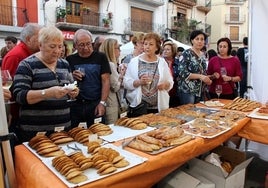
103 103
43 92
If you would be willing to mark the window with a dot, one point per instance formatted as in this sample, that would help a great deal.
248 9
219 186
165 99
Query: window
73 8
234 33
141 20
234 14
73 12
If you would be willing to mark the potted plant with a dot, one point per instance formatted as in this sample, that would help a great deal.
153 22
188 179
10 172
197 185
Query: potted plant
61 14
86 10
106 22
110 15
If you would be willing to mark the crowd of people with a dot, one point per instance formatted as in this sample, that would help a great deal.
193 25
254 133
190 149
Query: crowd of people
157 74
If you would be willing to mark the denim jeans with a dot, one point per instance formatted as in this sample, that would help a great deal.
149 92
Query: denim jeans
186 98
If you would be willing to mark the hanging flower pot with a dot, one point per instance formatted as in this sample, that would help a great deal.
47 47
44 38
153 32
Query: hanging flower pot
110 15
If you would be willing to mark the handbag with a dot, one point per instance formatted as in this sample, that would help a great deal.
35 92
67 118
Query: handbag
122 108
137 110
235 91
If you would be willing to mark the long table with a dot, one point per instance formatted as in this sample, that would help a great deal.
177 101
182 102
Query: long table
31 172
255 130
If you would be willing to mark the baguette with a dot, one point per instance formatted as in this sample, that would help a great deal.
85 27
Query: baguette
139 146
179 141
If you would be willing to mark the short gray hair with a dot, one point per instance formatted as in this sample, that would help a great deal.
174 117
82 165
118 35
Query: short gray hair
29 29
81 31
48 33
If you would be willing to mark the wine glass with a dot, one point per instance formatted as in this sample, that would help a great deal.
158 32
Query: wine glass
82 71
6 81
66 80
218 90
149 78
223 71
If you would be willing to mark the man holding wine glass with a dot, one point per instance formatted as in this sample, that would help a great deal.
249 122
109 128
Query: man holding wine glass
224 70
94 85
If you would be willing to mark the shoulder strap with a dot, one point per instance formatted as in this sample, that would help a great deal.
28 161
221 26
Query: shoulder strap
154 73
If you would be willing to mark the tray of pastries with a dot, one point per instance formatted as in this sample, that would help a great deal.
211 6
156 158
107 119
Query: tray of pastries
187 112
205 128
241 104
157 120
228 118
77 164
125 128
259 113
213 103
159 140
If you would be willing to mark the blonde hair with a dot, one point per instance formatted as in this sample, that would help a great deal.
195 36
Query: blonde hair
108 47
138 37
48 33
173 47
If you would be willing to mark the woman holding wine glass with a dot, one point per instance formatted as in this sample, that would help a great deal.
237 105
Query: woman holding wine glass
140 87
224 70
39 88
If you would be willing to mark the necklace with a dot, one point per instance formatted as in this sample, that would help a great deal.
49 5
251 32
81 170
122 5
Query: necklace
51 66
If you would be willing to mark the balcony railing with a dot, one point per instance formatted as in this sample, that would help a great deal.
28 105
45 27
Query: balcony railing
13 16
151 2
235 18
204 5
234 1
206 28
143 26
188 3
94 20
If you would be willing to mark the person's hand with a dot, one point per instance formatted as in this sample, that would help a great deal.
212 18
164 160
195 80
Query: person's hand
206 79
57 92
122 69
226 78
7 94
145 79
217 75
163 85
100 110
78 75
74 93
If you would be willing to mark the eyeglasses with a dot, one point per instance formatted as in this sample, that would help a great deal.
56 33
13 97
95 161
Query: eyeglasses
83 45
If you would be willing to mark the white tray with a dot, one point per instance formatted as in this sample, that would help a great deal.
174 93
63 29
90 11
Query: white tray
121 132
254 114
212 103
209 136
91 173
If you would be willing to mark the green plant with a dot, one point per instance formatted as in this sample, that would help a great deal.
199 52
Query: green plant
61 12
106 21
86 8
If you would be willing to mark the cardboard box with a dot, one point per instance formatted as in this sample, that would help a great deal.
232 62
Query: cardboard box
180 179
236 179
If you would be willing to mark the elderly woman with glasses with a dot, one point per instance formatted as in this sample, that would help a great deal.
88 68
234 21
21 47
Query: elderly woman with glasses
39 88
